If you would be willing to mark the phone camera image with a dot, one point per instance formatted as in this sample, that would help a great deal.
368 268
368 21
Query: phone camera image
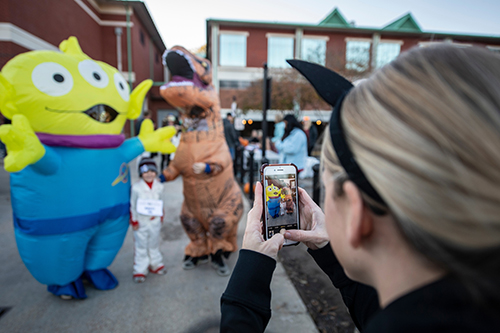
280 202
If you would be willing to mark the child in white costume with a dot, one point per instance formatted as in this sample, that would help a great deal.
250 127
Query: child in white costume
146 212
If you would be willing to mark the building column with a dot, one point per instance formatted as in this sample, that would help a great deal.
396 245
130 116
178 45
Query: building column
375 42
118 33
215 56
299 34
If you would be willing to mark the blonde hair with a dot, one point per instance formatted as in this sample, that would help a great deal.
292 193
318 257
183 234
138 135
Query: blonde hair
425 129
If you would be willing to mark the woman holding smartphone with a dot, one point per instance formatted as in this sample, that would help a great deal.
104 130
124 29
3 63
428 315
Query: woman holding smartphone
412 199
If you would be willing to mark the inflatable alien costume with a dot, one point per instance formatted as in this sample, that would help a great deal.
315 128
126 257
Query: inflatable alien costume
68 162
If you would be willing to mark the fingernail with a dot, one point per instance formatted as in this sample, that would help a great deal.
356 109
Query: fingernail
287 234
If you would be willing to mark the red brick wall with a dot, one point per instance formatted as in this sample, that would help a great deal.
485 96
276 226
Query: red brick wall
8 51
54 21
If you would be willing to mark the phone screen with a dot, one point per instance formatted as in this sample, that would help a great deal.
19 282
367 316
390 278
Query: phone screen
281 200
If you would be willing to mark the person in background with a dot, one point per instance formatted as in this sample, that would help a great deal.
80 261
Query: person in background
171 120
138 122
279 130
311 133
411 229
230 134
146 221
234 106
292 147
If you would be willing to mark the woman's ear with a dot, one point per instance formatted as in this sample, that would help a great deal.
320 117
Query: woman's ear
359 219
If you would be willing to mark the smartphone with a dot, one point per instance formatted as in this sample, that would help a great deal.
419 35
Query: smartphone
281 199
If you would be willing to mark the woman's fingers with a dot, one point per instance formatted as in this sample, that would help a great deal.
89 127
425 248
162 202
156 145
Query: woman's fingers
300 235
305 199
255 214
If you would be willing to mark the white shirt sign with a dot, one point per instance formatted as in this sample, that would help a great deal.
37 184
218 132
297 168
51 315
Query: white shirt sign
150 207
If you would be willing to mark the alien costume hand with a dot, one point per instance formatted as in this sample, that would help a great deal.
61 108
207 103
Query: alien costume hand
23 146
159 140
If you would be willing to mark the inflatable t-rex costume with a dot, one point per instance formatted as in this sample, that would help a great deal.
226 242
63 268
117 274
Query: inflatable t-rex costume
212 199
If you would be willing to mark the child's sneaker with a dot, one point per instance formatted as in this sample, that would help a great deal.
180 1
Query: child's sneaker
139 278
160 270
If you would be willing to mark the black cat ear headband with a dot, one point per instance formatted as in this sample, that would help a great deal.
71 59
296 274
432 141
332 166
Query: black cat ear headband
333 88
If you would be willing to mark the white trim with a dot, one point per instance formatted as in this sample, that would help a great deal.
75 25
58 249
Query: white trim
108 9
16 35
354 39
270 34
98 20
495 48
126 76
325 38
391 41
233 32
447 42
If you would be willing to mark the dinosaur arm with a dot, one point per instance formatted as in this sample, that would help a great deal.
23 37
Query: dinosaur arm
213 169
170 172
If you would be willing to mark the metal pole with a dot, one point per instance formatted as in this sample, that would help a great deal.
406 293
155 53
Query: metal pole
242 168
129 60
250 176
265 106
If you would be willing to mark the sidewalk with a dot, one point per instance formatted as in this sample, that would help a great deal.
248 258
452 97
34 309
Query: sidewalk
181 301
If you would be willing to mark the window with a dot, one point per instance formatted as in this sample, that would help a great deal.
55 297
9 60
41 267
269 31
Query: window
357 55
314 50
279 49
233 50
141 36
232 84
387 52
495 49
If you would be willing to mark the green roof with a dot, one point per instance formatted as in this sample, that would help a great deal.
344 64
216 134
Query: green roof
335 19
405 23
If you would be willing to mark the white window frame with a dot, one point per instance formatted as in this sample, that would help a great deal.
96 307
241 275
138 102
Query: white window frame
355 39
233 32
279 35
388 41
323 38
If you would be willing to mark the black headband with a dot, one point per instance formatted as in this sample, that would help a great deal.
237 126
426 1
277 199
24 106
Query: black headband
333 88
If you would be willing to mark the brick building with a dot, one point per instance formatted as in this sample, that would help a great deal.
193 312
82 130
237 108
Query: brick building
238 49
101 28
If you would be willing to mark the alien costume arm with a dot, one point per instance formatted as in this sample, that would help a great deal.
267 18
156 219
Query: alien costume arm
131 148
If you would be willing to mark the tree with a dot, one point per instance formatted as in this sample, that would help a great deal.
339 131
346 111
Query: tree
288 88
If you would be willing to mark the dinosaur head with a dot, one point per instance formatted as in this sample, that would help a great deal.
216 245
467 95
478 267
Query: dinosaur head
68 93
190 89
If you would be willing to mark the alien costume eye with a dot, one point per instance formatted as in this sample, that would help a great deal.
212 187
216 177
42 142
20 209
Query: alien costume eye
52 79
122 87
93 73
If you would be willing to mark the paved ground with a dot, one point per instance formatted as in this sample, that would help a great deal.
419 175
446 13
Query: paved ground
181 301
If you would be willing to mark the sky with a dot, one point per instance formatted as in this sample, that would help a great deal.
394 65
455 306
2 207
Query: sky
183 22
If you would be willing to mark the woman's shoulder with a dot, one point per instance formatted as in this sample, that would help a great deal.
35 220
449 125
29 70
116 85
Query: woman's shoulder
442 306
298 132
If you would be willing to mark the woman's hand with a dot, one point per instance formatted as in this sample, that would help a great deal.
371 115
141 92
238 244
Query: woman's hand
253 239
312 223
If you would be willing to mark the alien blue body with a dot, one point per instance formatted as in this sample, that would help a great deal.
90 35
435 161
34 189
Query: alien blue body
273 206
71 211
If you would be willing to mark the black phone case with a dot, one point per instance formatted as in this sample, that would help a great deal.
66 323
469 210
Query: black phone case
263 166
